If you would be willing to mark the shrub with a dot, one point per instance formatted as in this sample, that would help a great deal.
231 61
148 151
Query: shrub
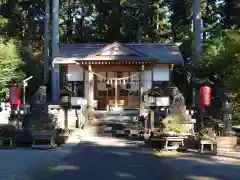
8 131
173 123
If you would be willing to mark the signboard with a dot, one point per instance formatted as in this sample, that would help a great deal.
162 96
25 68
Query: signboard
78 101
162 101
119 102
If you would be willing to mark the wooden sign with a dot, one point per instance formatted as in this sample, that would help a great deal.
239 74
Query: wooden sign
119 102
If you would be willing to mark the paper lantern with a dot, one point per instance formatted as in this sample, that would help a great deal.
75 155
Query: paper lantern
14 96
205 95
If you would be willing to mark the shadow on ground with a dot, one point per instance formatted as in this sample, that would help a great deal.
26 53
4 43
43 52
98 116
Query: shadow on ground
197 167
107 159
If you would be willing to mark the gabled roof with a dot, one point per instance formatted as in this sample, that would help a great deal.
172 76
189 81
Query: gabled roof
162 53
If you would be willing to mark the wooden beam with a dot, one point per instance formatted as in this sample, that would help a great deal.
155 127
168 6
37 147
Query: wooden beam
116 68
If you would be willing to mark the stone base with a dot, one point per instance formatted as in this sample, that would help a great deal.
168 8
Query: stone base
48 144
44 146
226 143
8 143
223 150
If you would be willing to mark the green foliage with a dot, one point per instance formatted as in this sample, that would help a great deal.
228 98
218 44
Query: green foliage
231 9
118 20
3 22
174 123
10 66
222 57
207 134
8 131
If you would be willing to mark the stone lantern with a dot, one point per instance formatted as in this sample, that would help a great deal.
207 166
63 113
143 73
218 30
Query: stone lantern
65 103
227 108
152 104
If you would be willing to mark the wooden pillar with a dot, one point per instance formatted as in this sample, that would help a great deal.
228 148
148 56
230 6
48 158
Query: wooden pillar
152 111
141 89
90 84
116 93
86 84
171 67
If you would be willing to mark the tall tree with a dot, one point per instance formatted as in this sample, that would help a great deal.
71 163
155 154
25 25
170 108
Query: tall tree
181 24
210 18
148 16
231 9
158 26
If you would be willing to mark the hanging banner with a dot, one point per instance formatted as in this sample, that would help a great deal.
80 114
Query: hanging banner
205 95
15 96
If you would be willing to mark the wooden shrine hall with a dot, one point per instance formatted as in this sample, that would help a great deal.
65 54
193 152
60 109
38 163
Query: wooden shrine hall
117 74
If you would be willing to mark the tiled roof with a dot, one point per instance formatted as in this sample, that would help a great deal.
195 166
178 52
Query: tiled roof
163 53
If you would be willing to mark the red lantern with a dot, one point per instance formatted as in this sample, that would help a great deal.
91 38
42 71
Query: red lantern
205 95
14 96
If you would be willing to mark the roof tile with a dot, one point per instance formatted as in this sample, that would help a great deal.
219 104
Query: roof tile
164 53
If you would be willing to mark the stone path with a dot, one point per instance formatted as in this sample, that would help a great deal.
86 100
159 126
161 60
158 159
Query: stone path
107 158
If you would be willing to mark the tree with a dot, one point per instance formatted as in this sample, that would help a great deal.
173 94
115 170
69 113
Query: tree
231 11
10 66
210 18
221 63
222 57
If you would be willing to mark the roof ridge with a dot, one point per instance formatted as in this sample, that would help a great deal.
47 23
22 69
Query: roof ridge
102 44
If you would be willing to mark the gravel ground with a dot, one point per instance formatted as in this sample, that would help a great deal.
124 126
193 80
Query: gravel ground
18 164
108 158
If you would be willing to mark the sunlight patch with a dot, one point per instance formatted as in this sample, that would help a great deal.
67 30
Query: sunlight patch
202 178
63 167
105 141
166 153
125 175
122 153
199 160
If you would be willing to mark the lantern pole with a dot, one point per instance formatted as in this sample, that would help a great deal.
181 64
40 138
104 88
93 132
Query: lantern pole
24 88
202 114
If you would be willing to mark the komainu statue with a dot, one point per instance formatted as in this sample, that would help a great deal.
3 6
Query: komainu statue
178 97
178 104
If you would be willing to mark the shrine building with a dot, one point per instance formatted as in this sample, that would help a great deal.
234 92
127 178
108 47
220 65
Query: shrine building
117 74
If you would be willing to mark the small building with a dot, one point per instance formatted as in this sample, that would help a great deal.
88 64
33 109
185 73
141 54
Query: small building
117 74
